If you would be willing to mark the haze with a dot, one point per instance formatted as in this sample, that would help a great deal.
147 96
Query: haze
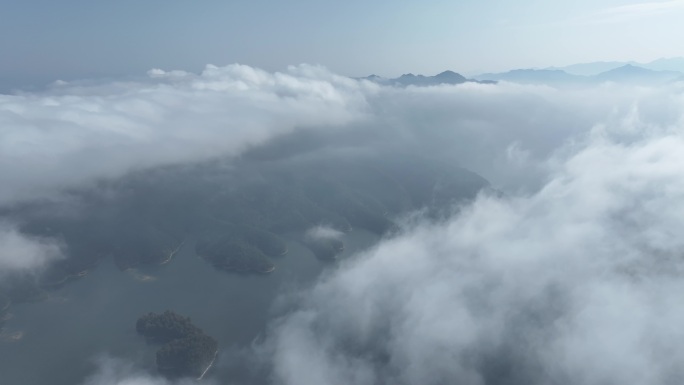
43 41
323 226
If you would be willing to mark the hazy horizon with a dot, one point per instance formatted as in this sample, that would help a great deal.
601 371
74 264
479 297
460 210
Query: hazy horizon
45 41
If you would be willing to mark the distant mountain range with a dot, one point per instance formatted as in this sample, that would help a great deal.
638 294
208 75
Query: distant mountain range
657 72
446 77
627 74
595 68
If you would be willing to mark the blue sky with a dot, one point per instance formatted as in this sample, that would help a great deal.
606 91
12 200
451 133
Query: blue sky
47 39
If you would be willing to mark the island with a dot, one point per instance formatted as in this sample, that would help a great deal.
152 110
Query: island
186 351
240 250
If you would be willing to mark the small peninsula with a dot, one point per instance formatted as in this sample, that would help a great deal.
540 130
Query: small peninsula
240 249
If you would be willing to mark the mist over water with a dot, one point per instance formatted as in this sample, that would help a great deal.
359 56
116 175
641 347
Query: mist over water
91 321
573 280
566 270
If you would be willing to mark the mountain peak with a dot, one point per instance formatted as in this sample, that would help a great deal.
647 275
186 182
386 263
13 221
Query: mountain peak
450 75
409 79
627 69
632 74
630 67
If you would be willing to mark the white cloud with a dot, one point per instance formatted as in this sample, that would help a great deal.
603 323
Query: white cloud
324 232
75 132
570 279
20 253
578 282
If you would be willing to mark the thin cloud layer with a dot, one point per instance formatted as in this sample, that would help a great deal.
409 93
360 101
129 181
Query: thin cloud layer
78 132
323 232
74 133
510 133
572 278
576 283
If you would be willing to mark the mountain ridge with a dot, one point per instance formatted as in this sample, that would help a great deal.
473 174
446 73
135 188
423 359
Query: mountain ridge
597 67
409 79
627 74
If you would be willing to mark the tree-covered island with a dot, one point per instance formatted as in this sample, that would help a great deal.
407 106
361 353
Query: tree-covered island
240 248
186 350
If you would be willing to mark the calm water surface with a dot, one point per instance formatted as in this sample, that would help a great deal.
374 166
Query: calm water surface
95 315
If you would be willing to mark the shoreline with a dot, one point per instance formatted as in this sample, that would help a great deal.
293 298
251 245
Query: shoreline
208 367
140 277
65 279
230 269
11 337
171 254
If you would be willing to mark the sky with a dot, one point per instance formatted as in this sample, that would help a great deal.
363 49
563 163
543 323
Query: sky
42 41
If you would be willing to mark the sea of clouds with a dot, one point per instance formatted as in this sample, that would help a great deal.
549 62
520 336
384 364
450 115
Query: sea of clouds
579 282
572 276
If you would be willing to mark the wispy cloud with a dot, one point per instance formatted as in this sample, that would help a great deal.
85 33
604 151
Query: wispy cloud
624 13
74 133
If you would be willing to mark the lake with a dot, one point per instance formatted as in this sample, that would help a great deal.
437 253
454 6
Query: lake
95 315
